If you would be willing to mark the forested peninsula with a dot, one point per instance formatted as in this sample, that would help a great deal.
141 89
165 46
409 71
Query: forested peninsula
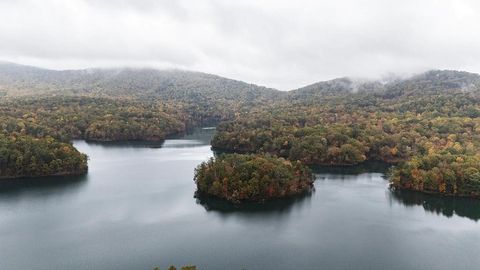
427 126
27 156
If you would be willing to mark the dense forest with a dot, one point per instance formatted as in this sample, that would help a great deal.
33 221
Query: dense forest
96 119
239 177
26 156
427 125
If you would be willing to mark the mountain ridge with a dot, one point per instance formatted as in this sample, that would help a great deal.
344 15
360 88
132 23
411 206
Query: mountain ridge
24 80
138 82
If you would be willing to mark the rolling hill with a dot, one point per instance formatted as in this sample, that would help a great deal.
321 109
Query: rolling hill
20 80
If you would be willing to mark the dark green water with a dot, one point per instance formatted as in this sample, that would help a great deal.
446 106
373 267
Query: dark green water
135 210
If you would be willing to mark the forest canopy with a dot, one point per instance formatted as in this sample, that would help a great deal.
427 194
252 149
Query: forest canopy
433 137
238 178
427 125
26 156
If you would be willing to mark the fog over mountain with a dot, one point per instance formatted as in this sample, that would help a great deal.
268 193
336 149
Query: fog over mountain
280 44
144 83
183 85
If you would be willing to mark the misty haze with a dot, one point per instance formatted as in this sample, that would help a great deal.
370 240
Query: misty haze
227 135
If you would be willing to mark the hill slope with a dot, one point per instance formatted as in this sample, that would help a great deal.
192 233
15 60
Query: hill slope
20 80
431 82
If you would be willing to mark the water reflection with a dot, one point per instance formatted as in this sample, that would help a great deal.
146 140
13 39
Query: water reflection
41 187
441 205
203 135
277 207
182 143
125 144
366 167
193 138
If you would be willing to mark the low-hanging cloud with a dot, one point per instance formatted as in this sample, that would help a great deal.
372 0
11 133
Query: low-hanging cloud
283 44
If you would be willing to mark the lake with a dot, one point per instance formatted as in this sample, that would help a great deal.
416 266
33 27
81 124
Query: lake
135 209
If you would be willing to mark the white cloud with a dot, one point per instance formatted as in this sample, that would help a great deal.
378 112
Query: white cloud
283 44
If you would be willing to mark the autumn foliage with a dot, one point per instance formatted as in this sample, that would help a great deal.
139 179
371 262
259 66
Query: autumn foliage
238 178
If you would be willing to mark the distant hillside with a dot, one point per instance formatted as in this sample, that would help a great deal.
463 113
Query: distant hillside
188 86
433 82
20 80
335 87
430 82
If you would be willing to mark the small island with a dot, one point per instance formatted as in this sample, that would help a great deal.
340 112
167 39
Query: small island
252 178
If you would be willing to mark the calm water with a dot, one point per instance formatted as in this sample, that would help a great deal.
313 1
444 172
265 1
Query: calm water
135 210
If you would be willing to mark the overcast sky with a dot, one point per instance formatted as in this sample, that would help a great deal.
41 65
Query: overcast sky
282 44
